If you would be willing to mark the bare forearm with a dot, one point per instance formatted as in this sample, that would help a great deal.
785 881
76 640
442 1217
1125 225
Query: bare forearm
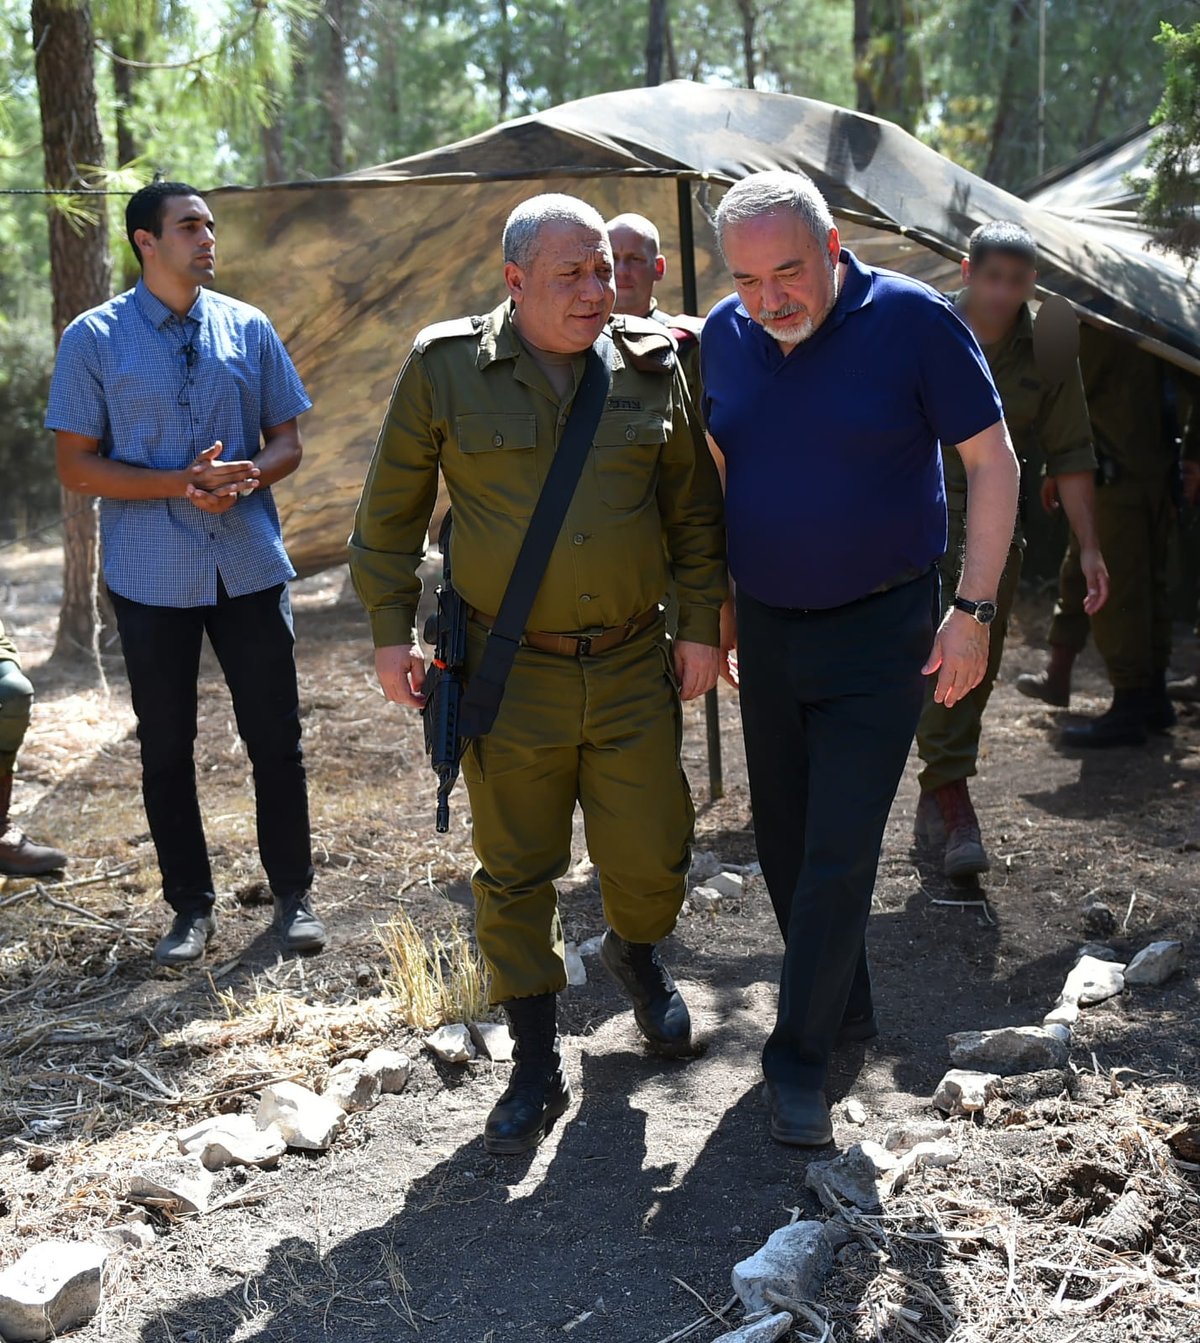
993 480
89 473
1077 491
280 455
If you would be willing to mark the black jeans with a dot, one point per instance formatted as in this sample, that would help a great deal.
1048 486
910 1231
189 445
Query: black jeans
830 702
253 640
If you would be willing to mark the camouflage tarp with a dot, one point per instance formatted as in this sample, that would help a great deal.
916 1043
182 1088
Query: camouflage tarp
350 268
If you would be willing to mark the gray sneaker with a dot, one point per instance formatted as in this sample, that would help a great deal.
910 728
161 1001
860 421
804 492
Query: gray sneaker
296 925
185 940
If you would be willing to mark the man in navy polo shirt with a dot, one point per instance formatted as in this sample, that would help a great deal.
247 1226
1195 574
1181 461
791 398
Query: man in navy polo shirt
828 388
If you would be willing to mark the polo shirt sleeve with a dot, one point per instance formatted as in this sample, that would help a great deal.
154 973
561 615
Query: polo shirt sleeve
77 404
956 389
283 394
1065 429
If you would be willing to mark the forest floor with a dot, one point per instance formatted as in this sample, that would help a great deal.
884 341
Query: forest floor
624 1226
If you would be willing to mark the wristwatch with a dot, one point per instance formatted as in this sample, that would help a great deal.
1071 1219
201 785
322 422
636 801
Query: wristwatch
983 612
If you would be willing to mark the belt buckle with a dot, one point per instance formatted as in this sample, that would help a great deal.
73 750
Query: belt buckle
583 646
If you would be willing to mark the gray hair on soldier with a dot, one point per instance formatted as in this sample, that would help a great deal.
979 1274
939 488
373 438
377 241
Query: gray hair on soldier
770 193
531 216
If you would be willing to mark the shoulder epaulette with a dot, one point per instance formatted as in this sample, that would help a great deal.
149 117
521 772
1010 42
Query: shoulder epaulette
683 325
456 326
648 344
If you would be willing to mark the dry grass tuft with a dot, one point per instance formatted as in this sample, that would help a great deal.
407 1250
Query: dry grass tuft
442 981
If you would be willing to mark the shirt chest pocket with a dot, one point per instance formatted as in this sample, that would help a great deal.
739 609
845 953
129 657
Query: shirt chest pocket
497 460
626 453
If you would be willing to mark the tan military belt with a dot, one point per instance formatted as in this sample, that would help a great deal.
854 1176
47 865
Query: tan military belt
578 645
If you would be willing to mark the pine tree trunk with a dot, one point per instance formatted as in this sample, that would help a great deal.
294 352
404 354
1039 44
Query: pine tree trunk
80 274
998 168
335 86
749 13
864 93
656 41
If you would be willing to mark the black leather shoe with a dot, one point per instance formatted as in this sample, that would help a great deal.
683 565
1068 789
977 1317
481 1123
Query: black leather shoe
538 1092
854 1030
799 1116
1123 724
1160 713
658 1007
185 940
296 926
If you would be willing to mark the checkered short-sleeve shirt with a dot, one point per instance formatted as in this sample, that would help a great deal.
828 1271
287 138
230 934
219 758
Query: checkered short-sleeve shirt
157 389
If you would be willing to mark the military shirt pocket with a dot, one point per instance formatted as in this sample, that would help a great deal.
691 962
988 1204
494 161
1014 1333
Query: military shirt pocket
499 462
627 449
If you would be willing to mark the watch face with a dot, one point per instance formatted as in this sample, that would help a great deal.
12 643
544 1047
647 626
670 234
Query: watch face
985 612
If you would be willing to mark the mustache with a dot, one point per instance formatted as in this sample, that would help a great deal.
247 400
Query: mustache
779 314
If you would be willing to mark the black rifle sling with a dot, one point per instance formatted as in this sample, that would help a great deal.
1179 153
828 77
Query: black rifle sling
485 690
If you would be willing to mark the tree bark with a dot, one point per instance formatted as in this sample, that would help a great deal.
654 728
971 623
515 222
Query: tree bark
503 63
1002 122
864 93
656 41
80 272
335 85
749 13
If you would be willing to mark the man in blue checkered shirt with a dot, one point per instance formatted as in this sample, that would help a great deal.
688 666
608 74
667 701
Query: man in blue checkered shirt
179 407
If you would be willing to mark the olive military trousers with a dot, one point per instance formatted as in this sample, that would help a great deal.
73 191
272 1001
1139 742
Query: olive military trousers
604 732
948 739
16 700
1133 628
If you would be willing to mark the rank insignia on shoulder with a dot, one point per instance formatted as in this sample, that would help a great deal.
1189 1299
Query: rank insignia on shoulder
456 326
648 345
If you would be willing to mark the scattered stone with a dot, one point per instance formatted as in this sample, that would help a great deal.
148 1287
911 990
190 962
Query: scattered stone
139 1234
766 1330
592 946
744 870
1092 981
232 1140
493 1040
352 1086
1062 1014
851 1178
307 1121
706 900
1154 964
855 1111
963 1092
364 975
53 1287
1060 1030
1011 1049
576 970
451 1044
901 1138
795 1261
704 865
391 1067
939 1154
1025 1088
727 885
1099 950
1098 917
176 1181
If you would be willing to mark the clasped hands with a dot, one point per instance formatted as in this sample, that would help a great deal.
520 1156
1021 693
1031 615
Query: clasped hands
215 486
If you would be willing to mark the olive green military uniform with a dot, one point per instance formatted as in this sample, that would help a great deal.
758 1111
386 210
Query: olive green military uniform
16 699
686 331
1046 419
603 731
1126 392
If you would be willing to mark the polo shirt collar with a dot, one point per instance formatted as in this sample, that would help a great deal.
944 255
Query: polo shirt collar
858 288
156 311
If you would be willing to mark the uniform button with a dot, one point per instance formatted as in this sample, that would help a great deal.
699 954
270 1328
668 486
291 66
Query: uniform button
579 538
630 434
497 439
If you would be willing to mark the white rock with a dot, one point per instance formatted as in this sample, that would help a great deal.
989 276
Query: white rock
576 970
452 1044
493 1040
53 1287
391 1067
592 946
939 1154
1092 981
963 1091
704 865
901 1138
851 1178
307 1121
766 1330
706 900
855 1111
1062 1014
180 1180
1011 1049
1154 964
727 885
795 1261
232 1140
352 1086
1059 1029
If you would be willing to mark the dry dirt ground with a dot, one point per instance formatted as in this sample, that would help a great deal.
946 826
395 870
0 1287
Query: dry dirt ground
624 1226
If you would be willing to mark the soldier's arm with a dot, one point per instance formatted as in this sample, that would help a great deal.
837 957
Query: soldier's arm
388 541
691 507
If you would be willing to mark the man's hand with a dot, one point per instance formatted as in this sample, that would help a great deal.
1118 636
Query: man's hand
1049 493
959 656
213 501
695 668
401 673
209 474
728 665
1096 572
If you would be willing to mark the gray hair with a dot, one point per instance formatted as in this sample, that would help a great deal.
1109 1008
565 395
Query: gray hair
528 219
771 193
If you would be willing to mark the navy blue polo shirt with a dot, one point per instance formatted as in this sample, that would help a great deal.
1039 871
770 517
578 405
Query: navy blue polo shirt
833 469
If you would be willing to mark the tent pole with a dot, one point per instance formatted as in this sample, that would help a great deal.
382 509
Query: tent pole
691 306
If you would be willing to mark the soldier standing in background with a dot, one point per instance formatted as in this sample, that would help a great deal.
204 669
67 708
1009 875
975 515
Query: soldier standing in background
1047 417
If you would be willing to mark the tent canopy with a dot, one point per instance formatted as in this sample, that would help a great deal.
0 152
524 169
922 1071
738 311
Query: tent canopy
350 268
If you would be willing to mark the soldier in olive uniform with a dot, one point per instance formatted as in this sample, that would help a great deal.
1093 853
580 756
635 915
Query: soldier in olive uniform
1047 417
591 713
1131 397
19 855
638 265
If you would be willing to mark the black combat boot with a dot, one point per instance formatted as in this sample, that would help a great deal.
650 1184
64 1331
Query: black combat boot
658 1006
538 1091
1052 686
1122 724
1160 712
19 855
